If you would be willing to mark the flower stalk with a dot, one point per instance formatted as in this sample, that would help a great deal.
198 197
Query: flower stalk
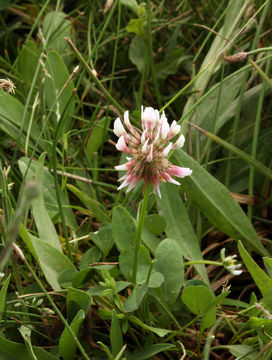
142 216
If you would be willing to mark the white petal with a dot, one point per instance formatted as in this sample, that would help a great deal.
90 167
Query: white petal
144 148
121 144
158 190
126 118
163 119
176 130
122 167
180 142
150 155
171 180
164 130
124 184
118 128
167 149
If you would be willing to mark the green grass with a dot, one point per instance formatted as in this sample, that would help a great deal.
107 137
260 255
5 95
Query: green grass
90 272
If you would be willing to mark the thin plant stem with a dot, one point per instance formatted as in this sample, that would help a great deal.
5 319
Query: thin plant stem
150 52
255 141
139 231
57 311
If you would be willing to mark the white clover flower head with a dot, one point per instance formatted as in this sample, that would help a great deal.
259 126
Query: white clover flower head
7 85
230 263
148 150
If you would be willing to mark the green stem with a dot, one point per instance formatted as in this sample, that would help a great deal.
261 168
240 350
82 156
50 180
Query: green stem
206 262
139 232
57 311
150 53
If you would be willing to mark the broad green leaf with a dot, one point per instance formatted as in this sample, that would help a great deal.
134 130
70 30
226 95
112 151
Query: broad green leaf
11 349
49 194
155 280
243 352
103 238
11 119
53 86
169 262
97 136
67 345
216 203
198 299
91 204
213 59
150 240
26 64
220 104
43 222
57 27
155 223
3 295
26 334
82 278
91 256
116 336
179 227
261 279
135 298
77 300
52 261
126 259
123 228
148 351
138 50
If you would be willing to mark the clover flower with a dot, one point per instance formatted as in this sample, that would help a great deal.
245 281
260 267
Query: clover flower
230 264
7 85
148 150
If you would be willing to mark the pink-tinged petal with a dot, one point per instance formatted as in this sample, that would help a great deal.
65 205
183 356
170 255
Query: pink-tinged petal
122 146
144 148
118 128
128 180
168 178
123 177
143 138
123 167
180 142
149 118
133 183
179 171
124 184
150 155
167 149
